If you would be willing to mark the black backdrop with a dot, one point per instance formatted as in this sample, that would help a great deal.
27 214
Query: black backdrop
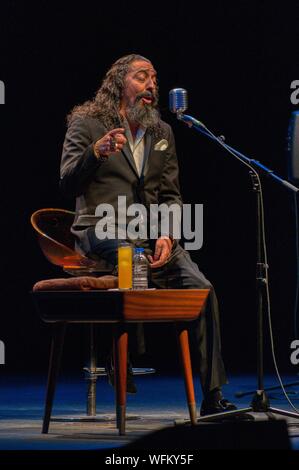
237 60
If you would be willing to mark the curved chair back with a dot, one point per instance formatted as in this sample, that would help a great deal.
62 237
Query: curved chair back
53 228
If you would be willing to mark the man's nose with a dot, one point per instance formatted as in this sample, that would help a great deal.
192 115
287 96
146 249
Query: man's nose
151 85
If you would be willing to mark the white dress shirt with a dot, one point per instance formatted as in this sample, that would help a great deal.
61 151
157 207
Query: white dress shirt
137 146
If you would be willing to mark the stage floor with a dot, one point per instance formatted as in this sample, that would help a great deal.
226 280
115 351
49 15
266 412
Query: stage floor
159 402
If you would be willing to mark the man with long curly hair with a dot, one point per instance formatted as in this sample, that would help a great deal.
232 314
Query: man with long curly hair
117 144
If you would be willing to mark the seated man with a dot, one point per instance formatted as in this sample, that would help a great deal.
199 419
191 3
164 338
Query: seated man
111 149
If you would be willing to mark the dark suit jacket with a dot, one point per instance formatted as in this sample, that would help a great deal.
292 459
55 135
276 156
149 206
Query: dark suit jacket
93 182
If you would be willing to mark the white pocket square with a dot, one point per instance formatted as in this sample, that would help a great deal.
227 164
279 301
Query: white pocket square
161 145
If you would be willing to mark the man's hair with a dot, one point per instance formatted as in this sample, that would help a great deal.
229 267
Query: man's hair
106 103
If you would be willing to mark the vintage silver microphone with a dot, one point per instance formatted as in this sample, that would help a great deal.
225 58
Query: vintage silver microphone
178 100
178 103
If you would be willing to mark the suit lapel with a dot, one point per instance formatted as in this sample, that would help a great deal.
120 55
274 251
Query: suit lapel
129 156
147 148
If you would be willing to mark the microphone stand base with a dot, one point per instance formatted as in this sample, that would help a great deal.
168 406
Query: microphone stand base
260 404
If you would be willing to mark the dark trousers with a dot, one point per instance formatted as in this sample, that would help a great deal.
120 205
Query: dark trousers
180 272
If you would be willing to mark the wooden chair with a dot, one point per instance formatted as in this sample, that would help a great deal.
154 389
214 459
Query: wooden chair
53 229
177 306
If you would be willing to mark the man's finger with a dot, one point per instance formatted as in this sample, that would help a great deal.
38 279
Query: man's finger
158 250
120 139
164 254
159 263
118 130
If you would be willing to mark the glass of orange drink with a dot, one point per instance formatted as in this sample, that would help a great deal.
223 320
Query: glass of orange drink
125 266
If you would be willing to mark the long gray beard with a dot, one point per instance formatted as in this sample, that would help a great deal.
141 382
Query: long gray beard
144 115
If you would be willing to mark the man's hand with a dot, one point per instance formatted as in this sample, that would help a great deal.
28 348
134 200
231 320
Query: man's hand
112 142
162 251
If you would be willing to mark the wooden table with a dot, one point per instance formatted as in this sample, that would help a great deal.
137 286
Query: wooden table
120 307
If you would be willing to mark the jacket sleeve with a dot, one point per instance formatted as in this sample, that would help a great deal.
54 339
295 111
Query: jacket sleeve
78 162
169 192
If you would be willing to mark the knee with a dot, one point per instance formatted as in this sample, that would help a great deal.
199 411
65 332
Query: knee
203 283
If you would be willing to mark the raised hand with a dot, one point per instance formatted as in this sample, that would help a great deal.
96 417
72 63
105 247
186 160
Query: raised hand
112 142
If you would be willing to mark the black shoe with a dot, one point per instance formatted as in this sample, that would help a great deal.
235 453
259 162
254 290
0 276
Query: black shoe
222 406
216 406
131 387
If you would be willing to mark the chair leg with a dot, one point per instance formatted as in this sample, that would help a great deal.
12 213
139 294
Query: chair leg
92 377
120 342
54 364
183 342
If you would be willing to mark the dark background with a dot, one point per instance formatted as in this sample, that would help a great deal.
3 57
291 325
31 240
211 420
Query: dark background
237 60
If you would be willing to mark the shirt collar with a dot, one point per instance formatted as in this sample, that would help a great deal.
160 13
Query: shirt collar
139 134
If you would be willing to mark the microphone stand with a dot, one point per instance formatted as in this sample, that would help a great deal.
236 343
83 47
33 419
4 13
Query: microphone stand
260 402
